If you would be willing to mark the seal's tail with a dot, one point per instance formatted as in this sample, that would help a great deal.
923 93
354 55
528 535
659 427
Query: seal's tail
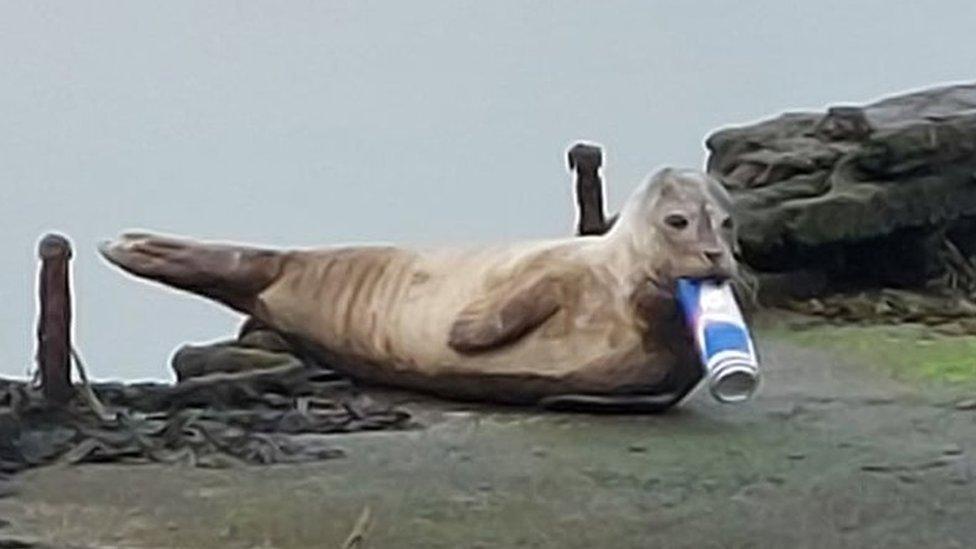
233 275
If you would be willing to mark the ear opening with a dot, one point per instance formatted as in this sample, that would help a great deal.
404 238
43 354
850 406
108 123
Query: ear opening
669 186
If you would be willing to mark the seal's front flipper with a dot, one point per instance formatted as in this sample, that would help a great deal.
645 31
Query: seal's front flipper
612 404
233 275
504 316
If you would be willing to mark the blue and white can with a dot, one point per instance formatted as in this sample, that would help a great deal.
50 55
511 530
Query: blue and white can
722 338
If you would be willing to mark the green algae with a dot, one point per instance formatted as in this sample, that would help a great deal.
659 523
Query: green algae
911 353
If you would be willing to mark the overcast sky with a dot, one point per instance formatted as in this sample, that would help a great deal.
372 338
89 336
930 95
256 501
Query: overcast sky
345 121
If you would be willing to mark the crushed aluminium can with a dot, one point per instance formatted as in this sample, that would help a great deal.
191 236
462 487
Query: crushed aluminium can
721 337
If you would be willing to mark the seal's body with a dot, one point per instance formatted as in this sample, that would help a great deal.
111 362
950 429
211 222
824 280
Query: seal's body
587 317
415 318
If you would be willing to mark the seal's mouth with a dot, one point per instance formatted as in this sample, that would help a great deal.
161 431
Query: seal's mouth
666 280
716 274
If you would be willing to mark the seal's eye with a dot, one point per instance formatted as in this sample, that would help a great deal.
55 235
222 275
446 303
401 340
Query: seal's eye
727 223
676 221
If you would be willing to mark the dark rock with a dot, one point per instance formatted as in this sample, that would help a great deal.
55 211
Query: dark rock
867 196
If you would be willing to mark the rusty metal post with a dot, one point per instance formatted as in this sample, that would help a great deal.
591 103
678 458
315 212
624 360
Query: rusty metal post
54 322
586 160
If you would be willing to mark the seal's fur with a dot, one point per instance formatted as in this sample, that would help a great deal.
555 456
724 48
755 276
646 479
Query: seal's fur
590 317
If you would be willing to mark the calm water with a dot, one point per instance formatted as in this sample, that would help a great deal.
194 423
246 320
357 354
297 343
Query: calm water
344 121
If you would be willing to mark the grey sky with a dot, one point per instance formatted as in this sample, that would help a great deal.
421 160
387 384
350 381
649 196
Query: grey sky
325 122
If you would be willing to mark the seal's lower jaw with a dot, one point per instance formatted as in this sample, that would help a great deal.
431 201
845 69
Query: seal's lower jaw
717 274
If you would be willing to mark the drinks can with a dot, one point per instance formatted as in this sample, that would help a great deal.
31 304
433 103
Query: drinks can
722 338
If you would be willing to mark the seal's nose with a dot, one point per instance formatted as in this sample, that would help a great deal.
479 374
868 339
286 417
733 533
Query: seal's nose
714 256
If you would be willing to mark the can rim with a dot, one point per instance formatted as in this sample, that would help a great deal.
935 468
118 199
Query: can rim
723 371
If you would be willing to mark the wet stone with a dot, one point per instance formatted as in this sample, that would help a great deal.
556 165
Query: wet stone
850 521
936 463
967 404
464 499
7 488
650 483
671 499
960 473
788 412
21 543
952 450
756 492
907 478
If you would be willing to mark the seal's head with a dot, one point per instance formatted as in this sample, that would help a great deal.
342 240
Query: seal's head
680 222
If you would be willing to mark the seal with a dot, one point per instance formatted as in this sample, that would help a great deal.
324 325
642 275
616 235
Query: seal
585 322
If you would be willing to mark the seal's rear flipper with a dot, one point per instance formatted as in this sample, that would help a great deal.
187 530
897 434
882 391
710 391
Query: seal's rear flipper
233 275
